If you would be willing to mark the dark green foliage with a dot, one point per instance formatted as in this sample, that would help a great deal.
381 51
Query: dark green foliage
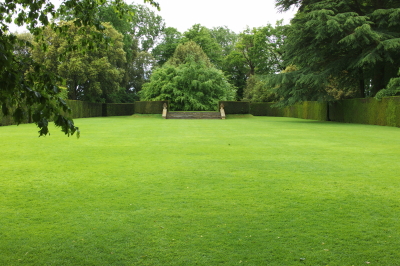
150 107
351 44
393 88
385 112
233 107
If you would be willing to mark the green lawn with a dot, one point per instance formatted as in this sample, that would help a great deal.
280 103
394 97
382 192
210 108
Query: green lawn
247 190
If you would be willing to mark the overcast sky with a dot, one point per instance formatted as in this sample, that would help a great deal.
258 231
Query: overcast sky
236 15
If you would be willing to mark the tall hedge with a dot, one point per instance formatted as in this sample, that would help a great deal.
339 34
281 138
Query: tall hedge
117 109
84 109
265 109
385 112
233 107
306 110
150 107
8 120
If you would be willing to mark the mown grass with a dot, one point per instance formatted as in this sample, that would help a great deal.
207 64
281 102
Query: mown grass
247 190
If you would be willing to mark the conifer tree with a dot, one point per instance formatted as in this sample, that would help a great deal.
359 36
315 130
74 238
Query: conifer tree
189 81
354 44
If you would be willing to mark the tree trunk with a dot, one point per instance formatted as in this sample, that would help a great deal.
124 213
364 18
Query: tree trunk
252 70
72 93
362 88
378 82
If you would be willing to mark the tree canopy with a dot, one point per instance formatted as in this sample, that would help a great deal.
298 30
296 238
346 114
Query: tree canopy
189 81
35 92
90 75
165 49
257 51
202 36
351 45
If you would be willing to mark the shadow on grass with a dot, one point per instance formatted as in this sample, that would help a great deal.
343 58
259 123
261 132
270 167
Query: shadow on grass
156 116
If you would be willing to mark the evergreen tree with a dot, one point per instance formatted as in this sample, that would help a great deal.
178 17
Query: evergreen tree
189 81
353 45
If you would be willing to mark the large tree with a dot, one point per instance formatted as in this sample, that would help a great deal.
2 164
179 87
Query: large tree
353 45
256 52
261 48
202 36
38 90
170 39
189 81
89 75
225 37
142 28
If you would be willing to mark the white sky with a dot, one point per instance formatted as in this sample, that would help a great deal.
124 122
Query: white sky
236 15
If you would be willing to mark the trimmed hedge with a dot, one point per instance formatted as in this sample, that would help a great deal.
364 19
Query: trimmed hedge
308 110
150 107
6 120
385 112
117 109
305 110
233 107
265 109
84 109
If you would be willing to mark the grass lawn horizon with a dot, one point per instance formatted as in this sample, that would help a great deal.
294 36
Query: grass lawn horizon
142 190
